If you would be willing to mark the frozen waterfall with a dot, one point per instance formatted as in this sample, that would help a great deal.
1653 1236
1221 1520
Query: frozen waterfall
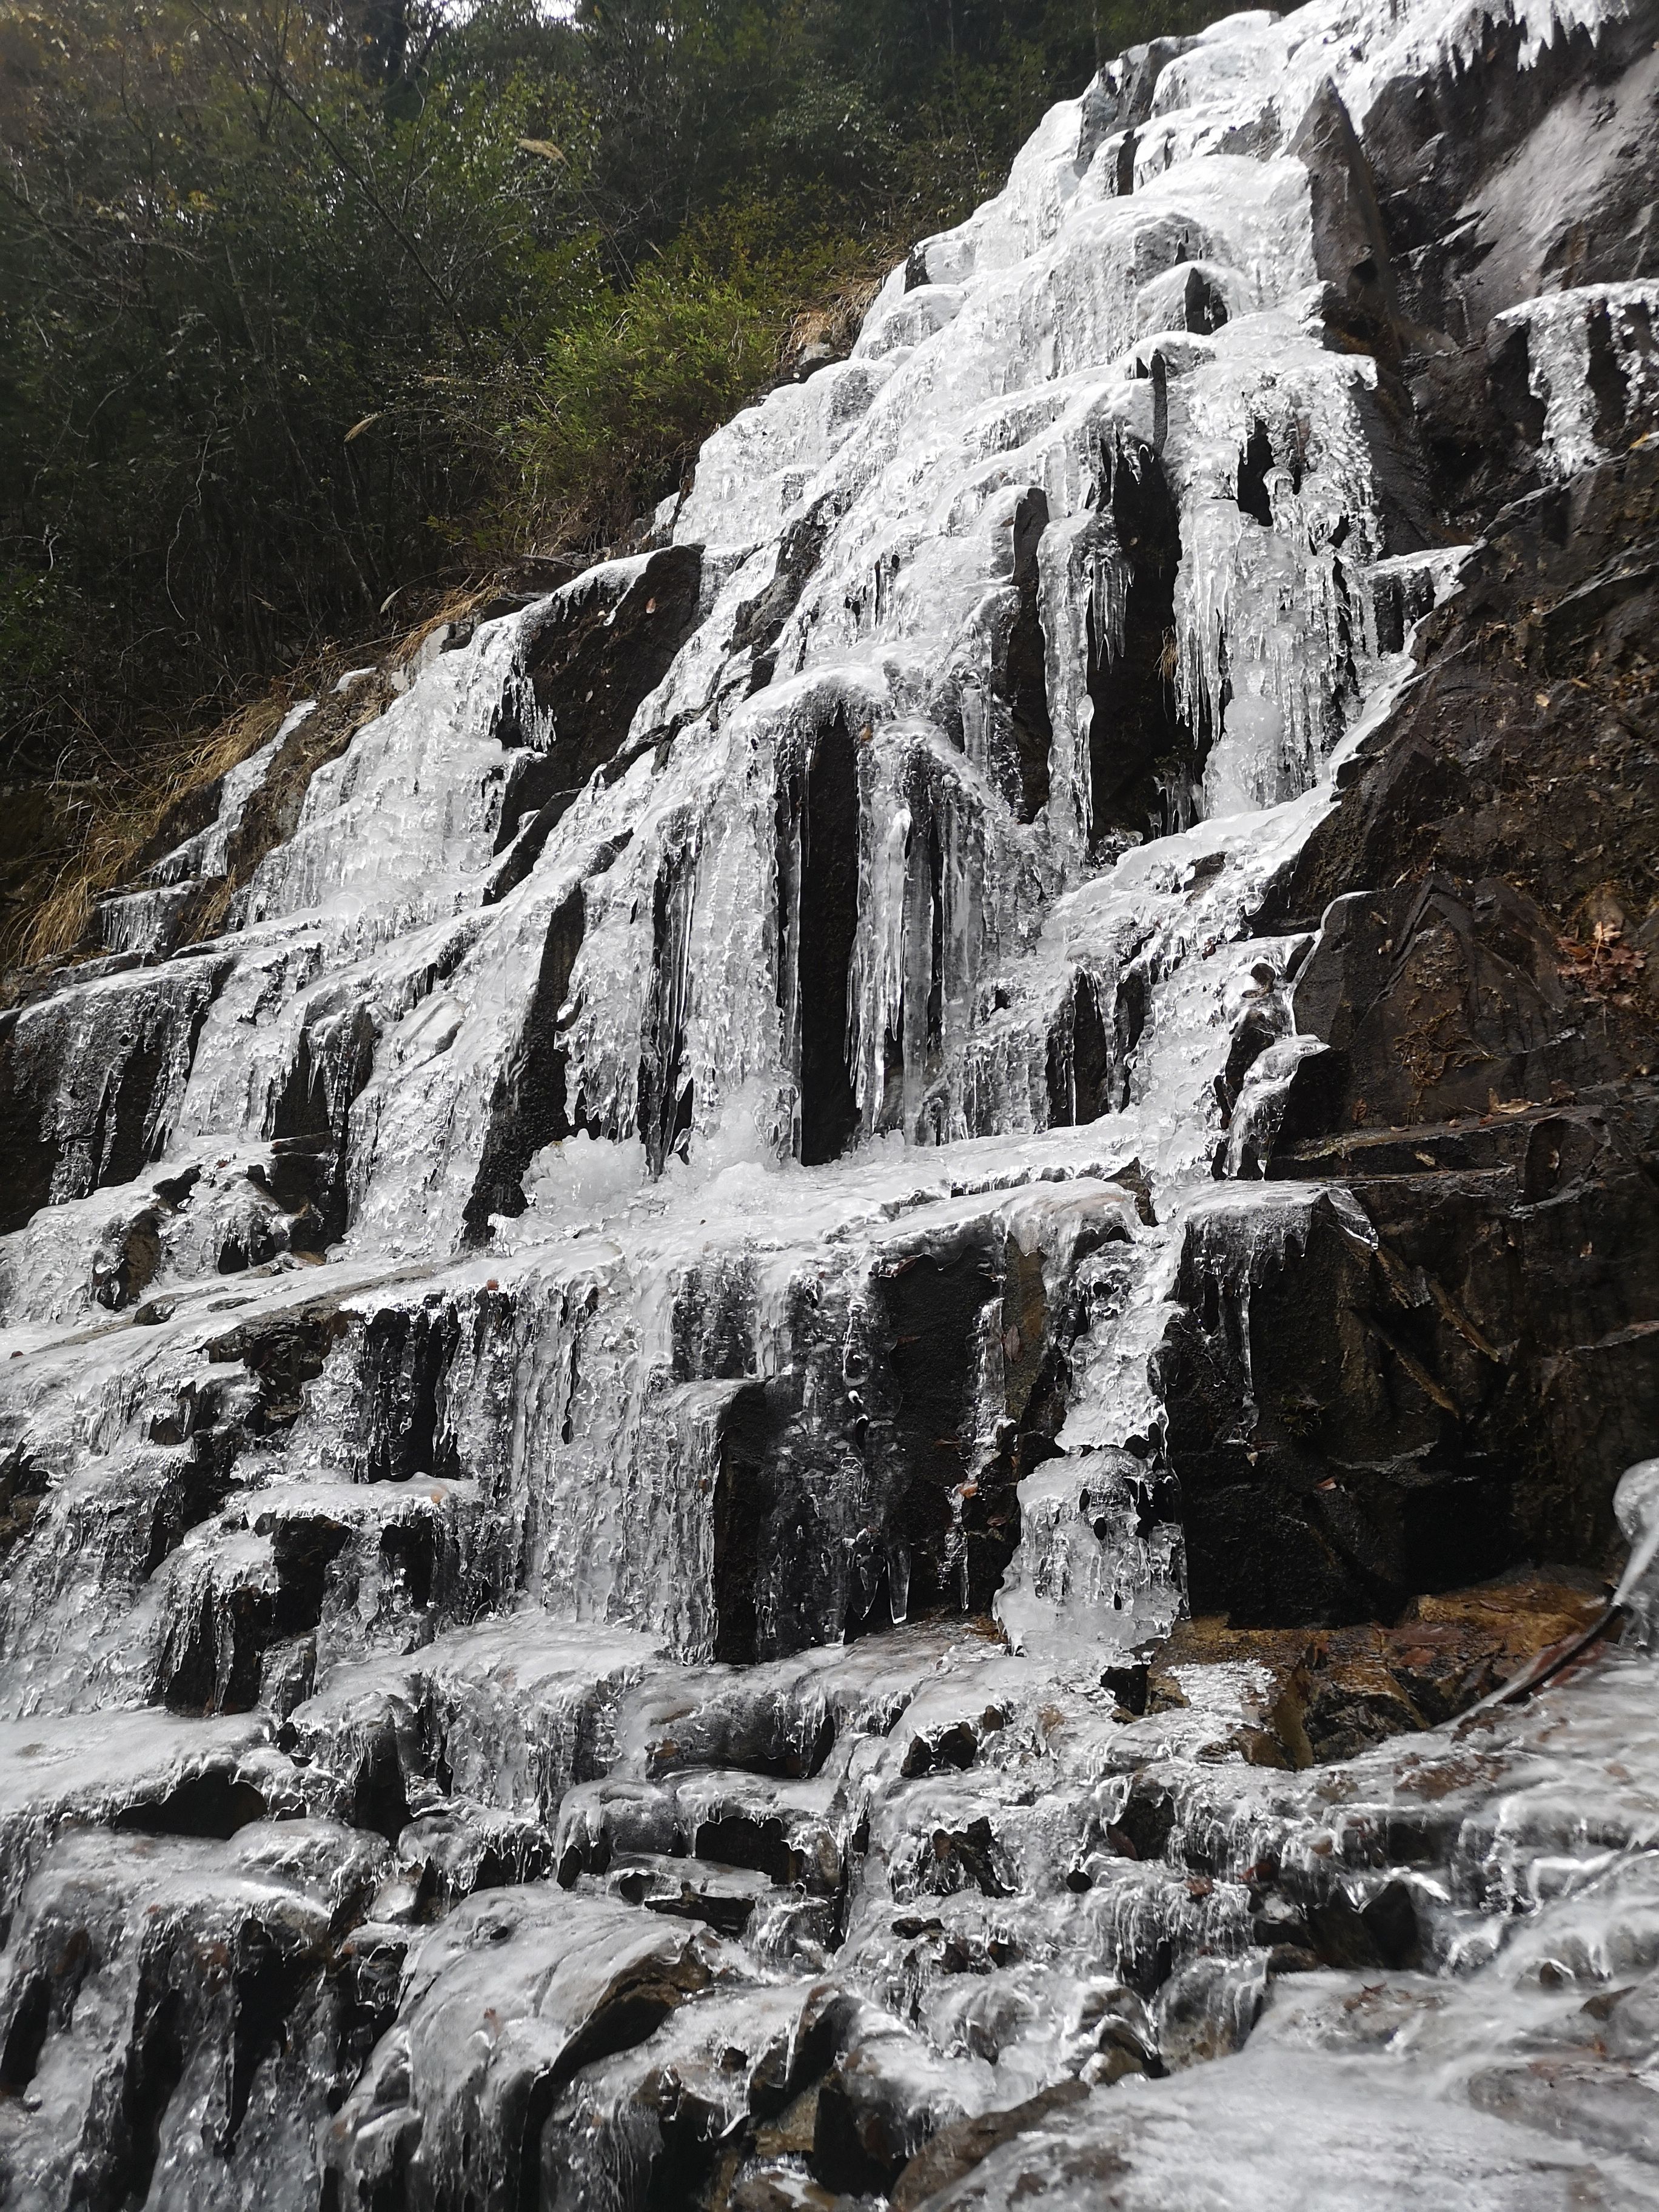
618 1393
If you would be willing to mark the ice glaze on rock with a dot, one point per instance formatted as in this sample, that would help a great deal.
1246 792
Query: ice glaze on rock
786 1351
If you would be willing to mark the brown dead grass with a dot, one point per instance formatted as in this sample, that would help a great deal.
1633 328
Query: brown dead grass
114 828
458 605
120 823
834 321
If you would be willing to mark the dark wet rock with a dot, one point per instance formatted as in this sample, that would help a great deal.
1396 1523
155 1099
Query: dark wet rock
759 620
1163 2149
402 1429
680 2109
902 1514
532 1105
309 1118
886 2096
1384 1932
782 1831
1350 234
1516 1318
1120 97
1091 1044
1432 1006
995 700
213 1803
955 2150
817 818
505 2001
448 1854
1412 1384
283 1352
1467 165
588 659
1024 672
725 1898
781 1727
89 1078
666 1094
1615 2108
1267 1352
639 1807
189 1981
239 1627
24 1483
923 1418
1144 761
1207 2010
971 1857
1544 784
1147 1819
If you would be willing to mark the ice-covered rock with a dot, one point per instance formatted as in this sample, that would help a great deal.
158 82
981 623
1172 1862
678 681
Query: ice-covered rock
655 1265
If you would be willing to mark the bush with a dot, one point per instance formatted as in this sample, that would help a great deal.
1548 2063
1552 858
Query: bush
607 422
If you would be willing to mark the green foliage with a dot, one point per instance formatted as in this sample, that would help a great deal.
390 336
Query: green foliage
628 388
305 304
220 251
608 418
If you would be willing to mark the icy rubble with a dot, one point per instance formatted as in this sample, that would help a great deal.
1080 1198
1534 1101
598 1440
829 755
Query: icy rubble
528 1343
1533 1884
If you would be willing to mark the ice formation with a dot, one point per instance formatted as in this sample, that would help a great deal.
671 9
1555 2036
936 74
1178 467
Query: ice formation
581 1448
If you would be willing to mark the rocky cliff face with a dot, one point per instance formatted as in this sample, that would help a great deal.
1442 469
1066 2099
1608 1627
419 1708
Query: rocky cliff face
780 1350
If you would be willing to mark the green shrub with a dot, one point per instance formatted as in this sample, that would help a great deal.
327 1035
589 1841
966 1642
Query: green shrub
606 423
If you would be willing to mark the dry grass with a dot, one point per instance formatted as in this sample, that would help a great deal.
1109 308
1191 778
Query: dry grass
113 828
833 321
121 822
63 917
119 830
456 606
234 740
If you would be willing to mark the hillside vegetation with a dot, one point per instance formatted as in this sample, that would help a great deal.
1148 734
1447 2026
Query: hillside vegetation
311 315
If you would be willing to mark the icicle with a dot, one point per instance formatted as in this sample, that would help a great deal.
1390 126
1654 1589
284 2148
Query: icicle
1561 328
